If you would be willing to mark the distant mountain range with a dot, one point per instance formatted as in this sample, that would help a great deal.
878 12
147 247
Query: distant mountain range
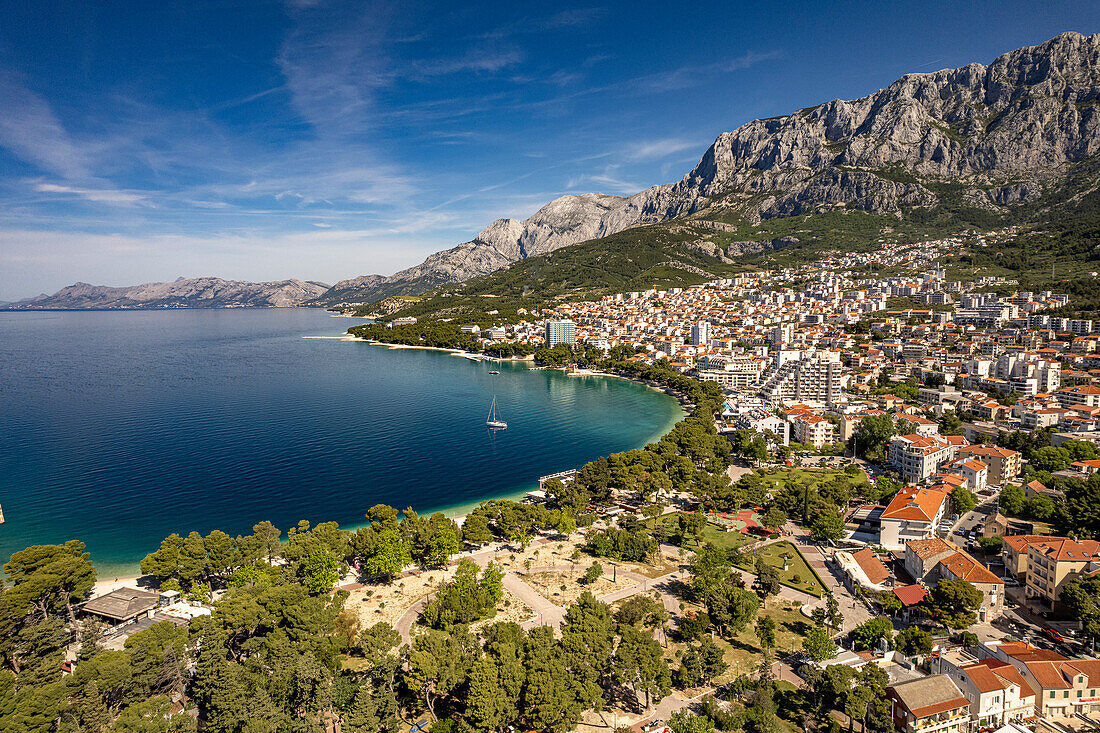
199 292
993 139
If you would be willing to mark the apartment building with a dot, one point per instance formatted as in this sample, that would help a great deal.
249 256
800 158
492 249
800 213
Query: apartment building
1004 464
998 693
560 332
917 457
1063 687
1079 394
913 514
763 421
932 704
804 376
813 430
731 372
1054 561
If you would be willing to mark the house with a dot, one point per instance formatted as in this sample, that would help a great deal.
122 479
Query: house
962 566
913 514
122 604
995 526
1004 464
910 595
1086 467
935 559
929 705
998 693
922 556
974 471
863 568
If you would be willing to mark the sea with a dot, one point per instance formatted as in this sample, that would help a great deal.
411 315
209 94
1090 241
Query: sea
118 428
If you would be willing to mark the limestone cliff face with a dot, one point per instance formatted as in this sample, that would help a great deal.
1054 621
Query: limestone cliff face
202 292
1005 128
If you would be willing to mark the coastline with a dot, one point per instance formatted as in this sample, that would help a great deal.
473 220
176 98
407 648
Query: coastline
128 573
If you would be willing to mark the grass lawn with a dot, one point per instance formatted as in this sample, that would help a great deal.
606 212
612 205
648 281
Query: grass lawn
776 478
711 533
798 574
743 653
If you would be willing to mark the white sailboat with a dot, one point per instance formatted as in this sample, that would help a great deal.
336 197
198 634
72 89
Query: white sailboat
494 421
496 370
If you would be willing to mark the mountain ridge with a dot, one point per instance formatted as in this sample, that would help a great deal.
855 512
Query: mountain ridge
199 292
1005 129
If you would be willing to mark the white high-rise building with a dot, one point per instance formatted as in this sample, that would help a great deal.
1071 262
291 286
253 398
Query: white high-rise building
560 332
700 333
814 376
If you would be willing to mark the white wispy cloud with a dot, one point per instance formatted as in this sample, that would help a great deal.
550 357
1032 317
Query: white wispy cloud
99 195
657 149
30 129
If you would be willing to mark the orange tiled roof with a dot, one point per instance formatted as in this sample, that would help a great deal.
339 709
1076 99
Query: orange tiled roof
965 567
915 503
871 565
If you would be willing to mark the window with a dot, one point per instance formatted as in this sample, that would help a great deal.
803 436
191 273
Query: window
1052 694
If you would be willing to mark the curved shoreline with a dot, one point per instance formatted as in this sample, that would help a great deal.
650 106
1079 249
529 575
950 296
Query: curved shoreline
524 484
459 511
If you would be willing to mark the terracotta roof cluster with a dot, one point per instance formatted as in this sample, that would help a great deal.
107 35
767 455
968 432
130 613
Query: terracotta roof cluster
1050 669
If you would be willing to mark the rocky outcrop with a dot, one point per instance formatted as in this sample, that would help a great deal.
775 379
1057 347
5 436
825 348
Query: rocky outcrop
1023 117
202 292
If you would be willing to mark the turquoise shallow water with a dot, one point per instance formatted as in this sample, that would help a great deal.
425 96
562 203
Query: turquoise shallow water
118 428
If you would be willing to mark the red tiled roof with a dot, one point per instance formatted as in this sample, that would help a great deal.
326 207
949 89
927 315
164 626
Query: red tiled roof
911 595
871 565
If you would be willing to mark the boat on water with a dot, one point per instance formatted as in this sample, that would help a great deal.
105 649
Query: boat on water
493 421
497 370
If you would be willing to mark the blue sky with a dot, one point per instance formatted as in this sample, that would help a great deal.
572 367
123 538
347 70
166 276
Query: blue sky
323 140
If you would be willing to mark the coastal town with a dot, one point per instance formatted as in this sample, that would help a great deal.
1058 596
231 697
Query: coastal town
878 513
948 373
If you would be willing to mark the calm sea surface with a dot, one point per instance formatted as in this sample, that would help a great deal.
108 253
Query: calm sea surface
119 428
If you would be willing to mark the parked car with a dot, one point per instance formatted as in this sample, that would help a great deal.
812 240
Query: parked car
1054 636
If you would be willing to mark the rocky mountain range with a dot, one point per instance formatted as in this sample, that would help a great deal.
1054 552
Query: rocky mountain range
200 292
1001 131
988 136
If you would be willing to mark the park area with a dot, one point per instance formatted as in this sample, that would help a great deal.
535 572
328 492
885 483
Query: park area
794 571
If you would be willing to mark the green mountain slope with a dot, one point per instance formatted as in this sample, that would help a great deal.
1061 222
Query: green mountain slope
1060 228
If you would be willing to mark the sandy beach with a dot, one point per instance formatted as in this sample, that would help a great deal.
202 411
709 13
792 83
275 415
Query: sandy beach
106 585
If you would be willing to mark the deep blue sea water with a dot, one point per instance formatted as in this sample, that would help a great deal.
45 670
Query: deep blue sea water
119 428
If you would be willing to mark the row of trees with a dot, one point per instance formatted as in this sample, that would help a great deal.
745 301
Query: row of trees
320 555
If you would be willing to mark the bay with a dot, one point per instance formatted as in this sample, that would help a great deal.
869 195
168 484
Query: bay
120 427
